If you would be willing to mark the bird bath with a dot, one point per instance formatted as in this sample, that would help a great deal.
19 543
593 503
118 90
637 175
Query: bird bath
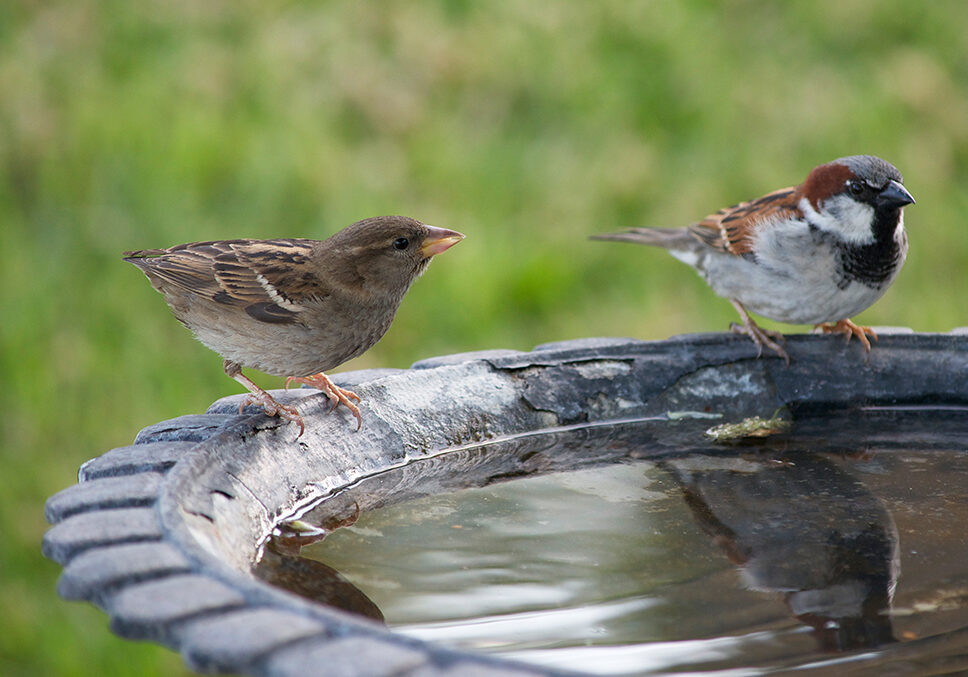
765 554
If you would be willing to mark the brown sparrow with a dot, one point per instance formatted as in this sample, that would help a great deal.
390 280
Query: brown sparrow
294 307
815 254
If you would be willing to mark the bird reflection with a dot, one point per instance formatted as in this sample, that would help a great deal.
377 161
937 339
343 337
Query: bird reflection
802 527
314 580
282 566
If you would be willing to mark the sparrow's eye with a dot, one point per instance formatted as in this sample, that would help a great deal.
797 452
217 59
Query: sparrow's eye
401 243
856 188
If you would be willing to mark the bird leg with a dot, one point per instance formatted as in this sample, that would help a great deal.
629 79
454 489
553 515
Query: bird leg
260 397
849 329
760 337
335 394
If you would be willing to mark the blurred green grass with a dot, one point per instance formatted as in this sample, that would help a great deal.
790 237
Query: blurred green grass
525 125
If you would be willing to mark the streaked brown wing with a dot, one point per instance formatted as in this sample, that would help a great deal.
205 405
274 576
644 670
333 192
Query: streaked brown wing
190 267
731 229
244 273
272 277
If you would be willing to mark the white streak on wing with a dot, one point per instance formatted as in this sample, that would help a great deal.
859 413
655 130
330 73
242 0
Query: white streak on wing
276 297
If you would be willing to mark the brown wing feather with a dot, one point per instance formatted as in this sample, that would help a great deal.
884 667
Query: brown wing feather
280 264
187 266
731 229
243 273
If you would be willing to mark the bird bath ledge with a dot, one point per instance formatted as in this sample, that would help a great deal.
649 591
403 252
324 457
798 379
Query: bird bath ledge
171 536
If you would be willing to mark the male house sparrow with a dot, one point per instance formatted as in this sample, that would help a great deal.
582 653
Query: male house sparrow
294 307
815 254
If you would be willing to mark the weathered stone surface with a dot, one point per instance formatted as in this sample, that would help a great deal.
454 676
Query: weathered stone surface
589 344
189 428
885 330
480 669
901 368
351 379
233 641
97 529
150 610
178 572
347 657
109 492
137 458
461 358
98 571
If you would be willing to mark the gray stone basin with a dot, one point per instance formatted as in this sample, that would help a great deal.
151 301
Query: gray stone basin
163 535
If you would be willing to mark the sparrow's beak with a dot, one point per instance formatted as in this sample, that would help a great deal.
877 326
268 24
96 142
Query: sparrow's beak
439 240
894 195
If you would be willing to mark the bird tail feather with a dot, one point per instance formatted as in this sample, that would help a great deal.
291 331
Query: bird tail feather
667 238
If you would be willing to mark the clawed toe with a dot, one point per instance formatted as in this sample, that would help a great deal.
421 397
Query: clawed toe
333 392
760 337
290 414
261 398
849 330
340 396
273 408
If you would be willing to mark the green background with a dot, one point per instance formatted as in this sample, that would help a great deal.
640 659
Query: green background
526 125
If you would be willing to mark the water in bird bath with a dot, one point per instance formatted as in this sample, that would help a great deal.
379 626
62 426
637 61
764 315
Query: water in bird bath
611 550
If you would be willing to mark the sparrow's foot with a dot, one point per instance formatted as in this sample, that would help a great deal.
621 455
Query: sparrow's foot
273 408
336 395
760 337
849 329
260 397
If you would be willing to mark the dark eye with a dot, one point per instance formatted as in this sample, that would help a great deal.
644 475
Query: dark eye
856 188
401 243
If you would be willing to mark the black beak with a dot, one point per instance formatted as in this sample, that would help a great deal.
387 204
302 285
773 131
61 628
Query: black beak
894 195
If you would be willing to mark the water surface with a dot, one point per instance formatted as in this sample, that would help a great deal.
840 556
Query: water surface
606 552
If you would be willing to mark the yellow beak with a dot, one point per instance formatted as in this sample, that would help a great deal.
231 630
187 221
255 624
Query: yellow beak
439 240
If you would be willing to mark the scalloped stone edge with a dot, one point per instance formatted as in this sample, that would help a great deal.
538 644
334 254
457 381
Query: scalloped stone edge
137 537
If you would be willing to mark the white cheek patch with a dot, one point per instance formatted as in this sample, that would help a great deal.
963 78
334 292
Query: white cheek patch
276 297
842 215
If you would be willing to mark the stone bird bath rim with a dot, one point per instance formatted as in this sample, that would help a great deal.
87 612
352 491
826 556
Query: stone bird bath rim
163 534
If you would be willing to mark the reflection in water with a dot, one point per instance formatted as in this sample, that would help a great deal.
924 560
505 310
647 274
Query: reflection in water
801 527
577 550
314 580
282 565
